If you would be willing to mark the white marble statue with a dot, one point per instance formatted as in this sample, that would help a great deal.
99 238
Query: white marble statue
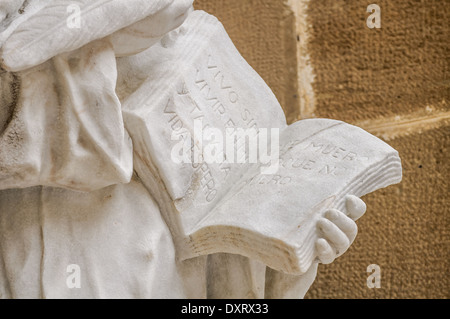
97 98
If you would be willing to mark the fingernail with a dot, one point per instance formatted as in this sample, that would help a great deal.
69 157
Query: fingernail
322 224
331 214
321 244
355 207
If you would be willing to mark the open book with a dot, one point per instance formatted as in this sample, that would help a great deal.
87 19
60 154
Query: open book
196 73
273 217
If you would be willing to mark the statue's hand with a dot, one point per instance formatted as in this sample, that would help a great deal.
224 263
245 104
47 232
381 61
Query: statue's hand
45 29
338 230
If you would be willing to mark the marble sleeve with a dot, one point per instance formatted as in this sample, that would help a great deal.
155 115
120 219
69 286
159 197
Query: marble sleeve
44 29
61 124
60 119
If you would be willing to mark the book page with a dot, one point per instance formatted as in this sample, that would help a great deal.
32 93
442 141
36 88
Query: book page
322 161
193 82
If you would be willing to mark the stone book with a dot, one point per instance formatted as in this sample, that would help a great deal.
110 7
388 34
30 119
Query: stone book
273 218
196 75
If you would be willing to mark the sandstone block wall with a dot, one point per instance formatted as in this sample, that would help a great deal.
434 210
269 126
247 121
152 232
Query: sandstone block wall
321 60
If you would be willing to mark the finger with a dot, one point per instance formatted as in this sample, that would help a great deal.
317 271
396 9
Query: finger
33 42
345 223
334 235
325 253
355 207
143 34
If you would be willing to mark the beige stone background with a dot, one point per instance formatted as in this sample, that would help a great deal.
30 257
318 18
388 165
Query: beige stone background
321 60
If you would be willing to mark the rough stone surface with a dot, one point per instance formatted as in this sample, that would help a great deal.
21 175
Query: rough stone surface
70 191
364 73
394 82
406 231
264 33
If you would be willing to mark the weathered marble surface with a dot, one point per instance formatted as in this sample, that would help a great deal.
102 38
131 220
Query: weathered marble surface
87 176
